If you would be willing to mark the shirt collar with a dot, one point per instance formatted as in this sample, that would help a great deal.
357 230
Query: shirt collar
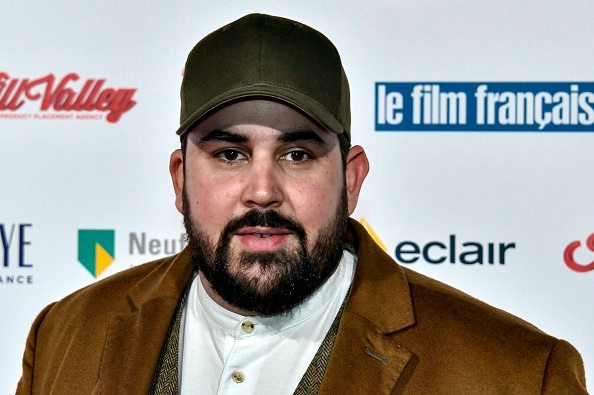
229 321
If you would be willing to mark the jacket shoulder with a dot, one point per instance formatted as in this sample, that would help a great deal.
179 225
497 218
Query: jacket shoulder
111 291
449 303
121 293
459 333
74 333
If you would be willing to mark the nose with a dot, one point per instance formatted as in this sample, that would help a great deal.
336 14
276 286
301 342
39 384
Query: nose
263 188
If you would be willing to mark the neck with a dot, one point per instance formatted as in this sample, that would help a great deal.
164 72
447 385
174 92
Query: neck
222 302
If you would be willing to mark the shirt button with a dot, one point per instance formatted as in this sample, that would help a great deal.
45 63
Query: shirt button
238 376
247 326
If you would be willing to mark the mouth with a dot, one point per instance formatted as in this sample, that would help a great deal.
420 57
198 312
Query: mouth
262 238
261 231
262 235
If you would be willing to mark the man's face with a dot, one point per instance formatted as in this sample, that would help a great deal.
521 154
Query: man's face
264 202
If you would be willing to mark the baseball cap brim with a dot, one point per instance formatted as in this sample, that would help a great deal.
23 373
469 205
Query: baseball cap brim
302 102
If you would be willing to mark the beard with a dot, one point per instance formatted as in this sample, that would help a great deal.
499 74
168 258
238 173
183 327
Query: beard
273 282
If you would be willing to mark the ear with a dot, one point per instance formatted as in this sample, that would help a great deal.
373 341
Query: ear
357 167
176 169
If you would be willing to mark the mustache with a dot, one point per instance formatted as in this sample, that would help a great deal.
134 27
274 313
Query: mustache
264 218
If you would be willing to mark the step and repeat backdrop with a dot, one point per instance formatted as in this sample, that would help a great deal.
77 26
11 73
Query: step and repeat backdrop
477 117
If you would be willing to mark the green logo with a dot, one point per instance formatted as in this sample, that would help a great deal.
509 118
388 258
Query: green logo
96 249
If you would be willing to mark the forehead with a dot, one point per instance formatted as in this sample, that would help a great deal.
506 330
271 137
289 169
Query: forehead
266 113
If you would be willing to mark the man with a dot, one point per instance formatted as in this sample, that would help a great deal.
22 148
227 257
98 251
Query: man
279 292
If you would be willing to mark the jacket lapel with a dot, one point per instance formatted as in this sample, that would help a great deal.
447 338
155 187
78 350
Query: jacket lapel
365 361
135 339
365 358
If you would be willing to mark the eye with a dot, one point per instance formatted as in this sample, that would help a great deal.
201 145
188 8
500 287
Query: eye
296 156
229 155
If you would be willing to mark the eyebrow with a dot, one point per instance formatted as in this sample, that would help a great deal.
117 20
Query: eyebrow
223 135
287 136
291 136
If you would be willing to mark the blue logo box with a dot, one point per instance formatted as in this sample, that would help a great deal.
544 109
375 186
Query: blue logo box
484 106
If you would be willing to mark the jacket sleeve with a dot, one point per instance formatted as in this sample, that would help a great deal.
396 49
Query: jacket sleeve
564 372
25 385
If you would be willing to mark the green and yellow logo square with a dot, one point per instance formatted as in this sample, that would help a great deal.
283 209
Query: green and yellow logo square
96 249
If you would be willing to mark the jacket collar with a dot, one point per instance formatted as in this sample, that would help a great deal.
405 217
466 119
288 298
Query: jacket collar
167 280
366 358
378 279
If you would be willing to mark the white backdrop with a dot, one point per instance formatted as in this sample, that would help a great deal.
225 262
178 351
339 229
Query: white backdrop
61 175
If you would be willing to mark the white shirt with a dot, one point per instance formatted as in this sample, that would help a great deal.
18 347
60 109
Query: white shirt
222 352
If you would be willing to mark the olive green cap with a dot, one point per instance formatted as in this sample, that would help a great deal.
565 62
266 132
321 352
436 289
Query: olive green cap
267 56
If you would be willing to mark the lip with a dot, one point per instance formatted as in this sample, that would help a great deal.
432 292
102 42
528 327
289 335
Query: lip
262 238
262 230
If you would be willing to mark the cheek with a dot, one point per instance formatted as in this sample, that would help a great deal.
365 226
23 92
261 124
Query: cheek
315 202
211 205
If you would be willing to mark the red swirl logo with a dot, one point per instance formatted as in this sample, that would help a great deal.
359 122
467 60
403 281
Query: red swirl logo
570 261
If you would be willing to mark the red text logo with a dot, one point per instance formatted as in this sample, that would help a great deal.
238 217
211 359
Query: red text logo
570 261
63 95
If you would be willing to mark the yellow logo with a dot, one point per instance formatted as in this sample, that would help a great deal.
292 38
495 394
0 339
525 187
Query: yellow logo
372 233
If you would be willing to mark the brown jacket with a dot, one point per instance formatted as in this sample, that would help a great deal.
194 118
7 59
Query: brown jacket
400 333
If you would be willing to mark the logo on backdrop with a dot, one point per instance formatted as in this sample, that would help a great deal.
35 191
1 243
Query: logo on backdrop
569 255
96 249
372 233
484 106
16 241
63 98
451 251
